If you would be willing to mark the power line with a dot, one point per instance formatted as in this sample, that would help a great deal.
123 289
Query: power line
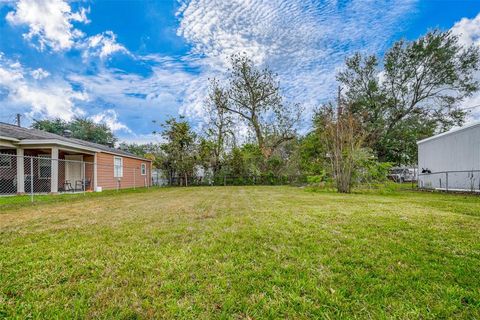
10 118
13 118
473 107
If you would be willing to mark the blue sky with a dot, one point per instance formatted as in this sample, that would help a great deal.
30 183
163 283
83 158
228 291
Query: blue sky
127 63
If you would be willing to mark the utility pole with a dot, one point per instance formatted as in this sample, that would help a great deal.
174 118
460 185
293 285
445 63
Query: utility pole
18 119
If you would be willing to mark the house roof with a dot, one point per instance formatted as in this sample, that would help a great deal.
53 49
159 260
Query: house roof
20 134
455 130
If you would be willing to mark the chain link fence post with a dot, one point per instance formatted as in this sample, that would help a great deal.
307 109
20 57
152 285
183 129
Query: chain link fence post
446 181
31 179
134 175
84 180
148 174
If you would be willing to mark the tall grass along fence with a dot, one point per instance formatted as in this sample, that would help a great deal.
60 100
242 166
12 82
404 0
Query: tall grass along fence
453 181
31 177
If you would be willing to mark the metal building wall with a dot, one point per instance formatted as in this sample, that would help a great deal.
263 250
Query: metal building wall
455 151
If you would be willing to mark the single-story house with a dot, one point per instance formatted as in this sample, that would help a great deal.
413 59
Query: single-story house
451 160
51 163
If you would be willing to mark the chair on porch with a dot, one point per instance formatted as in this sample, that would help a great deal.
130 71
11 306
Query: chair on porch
81 185
67 186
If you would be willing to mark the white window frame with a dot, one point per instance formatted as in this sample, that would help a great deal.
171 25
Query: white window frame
143 169
9 157
49 159
117 169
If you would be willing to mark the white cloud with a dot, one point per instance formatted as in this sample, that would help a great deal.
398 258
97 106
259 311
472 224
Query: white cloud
103 45
138 100
468 30
54 98
304 41
39 74
142 138
163 89
110 118
50 25
49 22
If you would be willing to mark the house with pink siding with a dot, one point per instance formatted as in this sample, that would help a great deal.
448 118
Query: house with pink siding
51 163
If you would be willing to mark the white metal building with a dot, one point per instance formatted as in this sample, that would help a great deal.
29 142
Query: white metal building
453 158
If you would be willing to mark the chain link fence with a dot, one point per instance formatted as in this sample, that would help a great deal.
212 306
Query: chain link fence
455 181
33 176
162 178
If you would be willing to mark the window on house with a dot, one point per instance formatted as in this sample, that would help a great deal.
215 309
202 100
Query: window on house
44 166
5 161
118 167
143 169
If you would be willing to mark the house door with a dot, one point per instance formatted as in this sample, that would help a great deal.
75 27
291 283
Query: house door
73 168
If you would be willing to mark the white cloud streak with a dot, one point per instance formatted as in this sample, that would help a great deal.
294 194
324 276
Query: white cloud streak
162 89
49 22
51 25
304 41
103 45
54 98
110 118
140 99
468 31
39 74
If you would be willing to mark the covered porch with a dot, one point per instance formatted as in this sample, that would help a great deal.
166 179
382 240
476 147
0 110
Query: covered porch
43 169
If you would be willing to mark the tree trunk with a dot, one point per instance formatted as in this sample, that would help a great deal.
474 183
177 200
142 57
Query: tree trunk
266 152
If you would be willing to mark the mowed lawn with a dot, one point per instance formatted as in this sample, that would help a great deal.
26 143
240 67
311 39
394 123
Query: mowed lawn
243 253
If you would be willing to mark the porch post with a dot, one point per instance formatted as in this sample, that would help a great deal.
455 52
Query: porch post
54 175
95 180
20 172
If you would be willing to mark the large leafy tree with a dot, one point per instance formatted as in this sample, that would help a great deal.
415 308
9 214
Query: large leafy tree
81 128
254 97
57 126
414 94
219 127
179 149
311 150
152 151
245 160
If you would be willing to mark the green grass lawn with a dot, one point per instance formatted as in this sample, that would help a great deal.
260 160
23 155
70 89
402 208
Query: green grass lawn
242 253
